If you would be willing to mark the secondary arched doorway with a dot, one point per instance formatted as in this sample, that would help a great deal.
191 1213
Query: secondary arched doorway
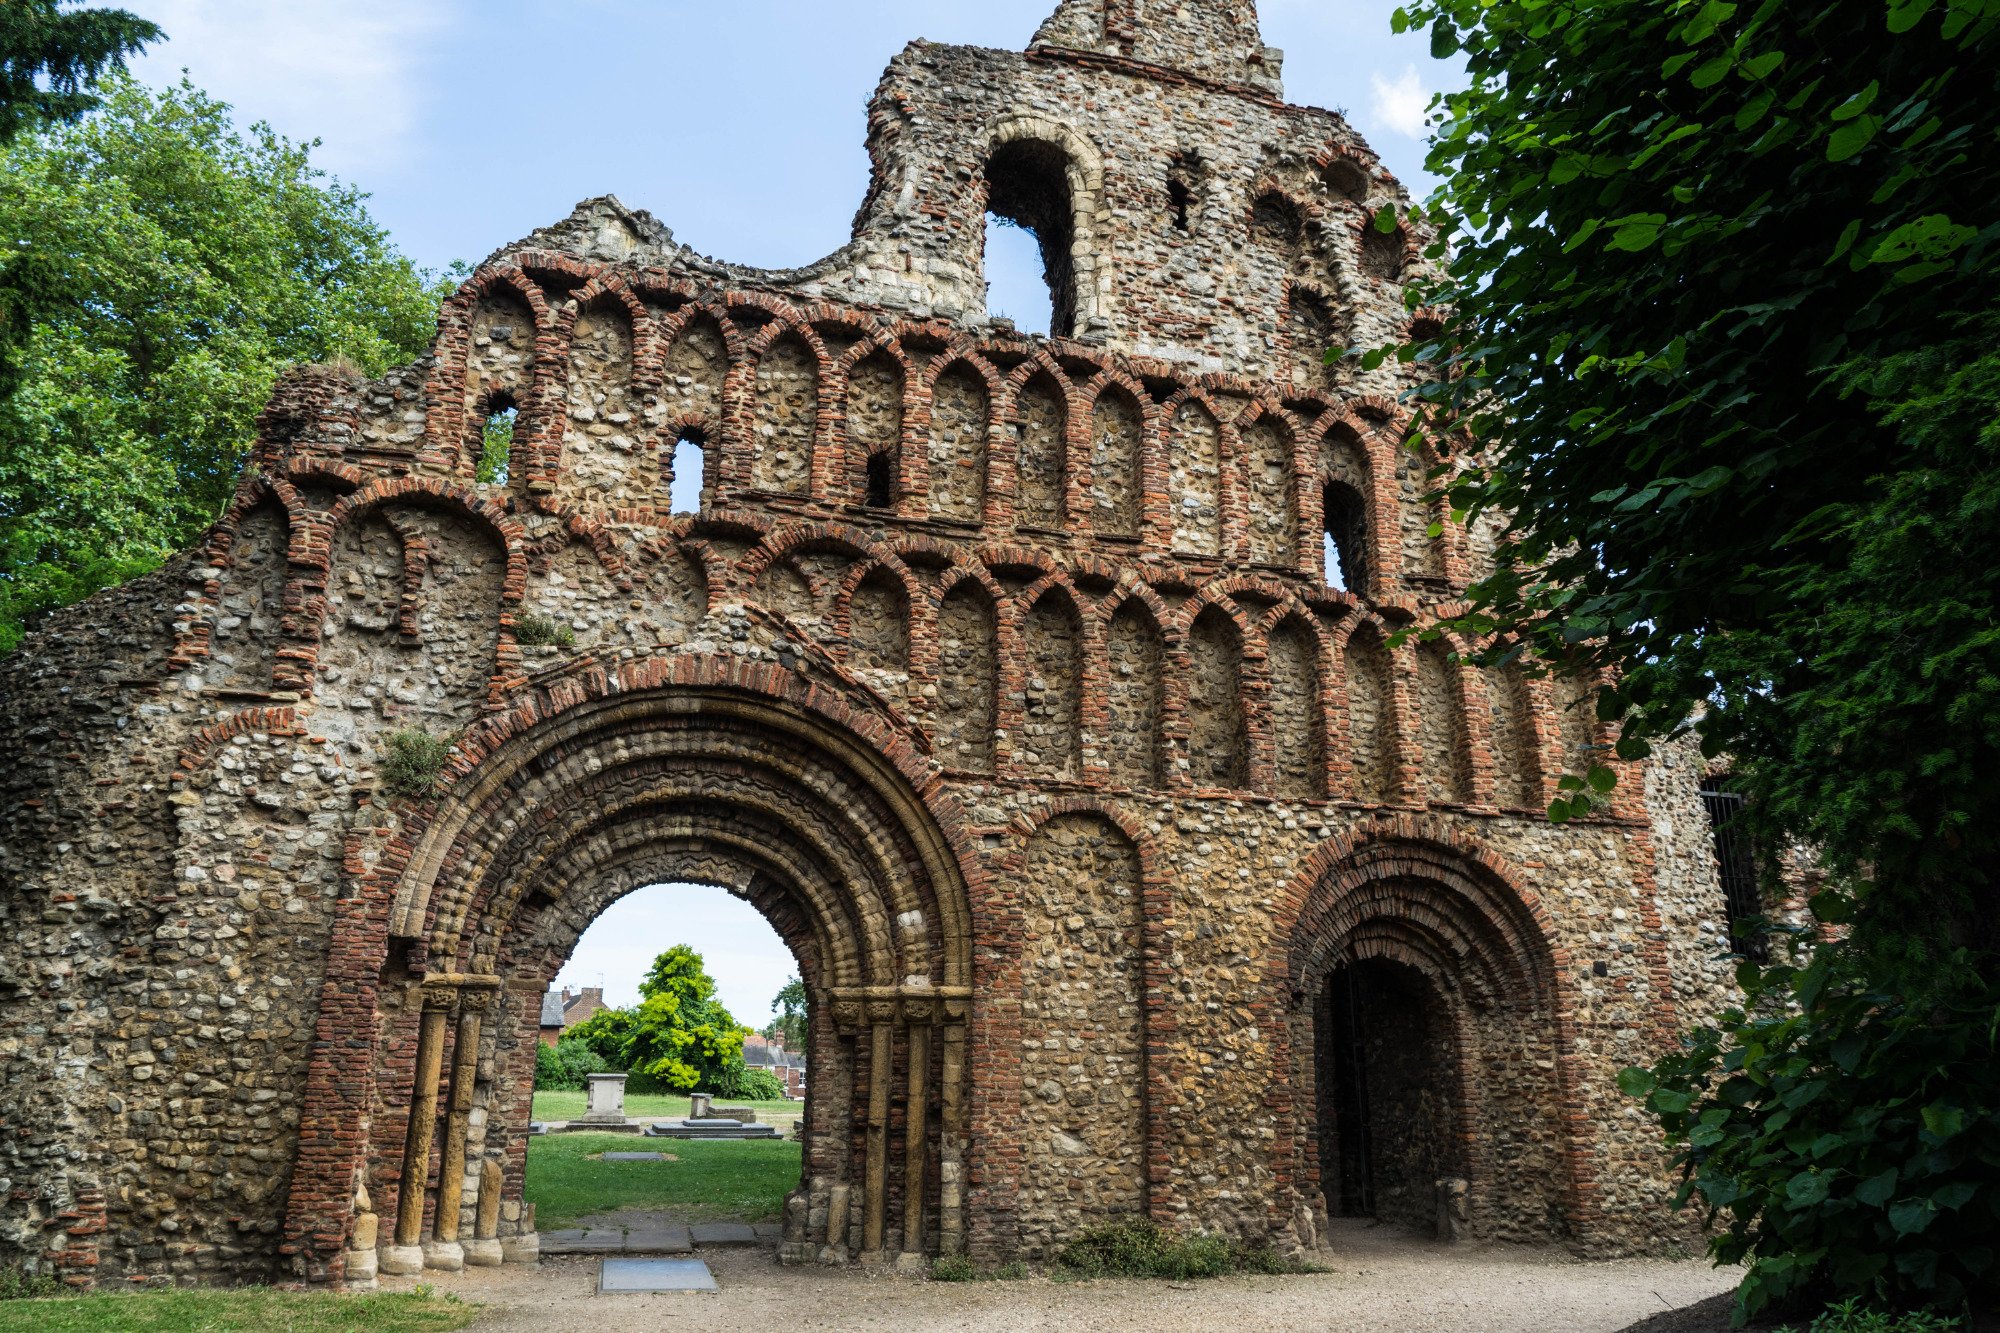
562 812
1430 1075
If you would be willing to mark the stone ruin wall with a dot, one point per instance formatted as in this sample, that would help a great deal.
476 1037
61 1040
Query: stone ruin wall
1090 607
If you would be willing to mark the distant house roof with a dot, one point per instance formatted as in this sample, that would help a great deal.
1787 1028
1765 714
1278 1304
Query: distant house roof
760 1052
552 1010
582 1005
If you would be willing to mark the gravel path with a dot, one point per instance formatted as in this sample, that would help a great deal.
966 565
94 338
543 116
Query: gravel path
1378 1280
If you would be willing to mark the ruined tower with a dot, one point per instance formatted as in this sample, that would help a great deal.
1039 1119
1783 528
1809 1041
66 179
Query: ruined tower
1044 693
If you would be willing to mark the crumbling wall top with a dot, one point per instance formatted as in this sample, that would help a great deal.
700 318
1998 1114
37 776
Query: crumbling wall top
1214 39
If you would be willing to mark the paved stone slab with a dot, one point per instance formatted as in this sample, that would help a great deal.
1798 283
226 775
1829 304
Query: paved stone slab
635 1157
636 1275
669 1239
770 1232
723 1233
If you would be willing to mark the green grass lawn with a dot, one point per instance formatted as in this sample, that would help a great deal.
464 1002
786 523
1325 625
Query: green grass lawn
741 1180
246 1310
650 1106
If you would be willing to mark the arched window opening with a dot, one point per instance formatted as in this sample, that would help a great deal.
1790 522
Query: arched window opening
1277 220
1346 180
1346 519
496 441
1736 865
685 482
881 492
1382 253
1027 190
1179 197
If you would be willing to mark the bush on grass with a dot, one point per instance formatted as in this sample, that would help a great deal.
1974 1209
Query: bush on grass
758 1085
953 1268
563 1066
1143 1250
1840 1130
958 1268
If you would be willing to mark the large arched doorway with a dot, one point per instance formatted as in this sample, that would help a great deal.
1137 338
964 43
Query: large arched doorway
764 796
1425 1032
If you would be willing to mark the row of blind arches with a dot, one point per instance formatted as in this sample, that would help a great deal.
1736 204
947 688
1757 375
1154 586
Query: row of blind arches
1033 686
1039 447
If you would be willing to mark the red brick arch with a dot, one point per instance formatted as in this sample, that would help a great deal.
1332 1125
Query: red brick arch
1417 891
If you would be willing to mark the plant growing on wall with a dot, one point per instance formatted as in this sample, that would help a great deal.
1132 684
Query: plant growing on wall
412 761
539 631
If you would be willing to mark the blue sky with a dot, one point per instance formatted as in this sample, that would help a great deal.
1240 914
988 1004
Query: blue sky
740 125
471 122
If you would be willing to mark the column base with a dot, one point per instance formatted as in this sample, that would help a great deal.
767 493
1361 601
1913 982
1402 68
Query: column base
484 1253
446 1256
401 1260
523 1249
913 1262
361 1267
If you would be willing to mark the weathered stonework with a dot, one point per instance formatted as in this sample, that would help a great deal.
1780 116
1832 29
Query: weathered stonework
1131 869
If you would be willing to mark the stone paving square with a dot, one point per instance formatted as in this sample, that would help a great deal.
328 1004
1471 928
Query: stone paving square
647 1275
669 1239
635 1157
724 1233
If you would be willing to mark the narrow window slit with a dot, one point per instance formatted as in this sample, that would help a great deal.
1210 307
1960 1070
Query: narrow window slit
685 481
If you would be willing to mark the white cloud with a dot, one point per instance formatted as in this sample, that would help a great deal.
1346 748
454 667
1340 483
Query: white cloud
349 72
1400 102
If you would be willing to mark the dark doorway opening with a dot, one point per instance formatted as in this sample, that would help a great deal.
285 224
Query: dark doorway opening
1388 1094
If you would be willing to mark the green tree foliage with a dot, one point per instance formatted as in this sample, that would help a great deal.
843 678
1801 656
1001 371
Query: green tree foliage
563 1066
788 1022
51 61
679 1035
496 448
1720 335
50 65
1840 1136
174 266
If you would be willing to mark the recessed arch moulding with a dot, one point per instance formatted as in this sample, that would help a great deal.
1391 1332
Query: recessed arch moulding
1002 673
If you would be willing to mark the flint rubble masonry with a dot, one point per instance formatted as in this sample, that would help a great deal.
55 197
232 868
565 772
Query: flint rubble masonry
1118 847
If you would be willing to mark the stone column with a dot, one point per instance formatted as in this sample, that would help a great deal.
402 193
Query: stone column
484 1249
916 1131
444 1252
881 1072
406 1256
951 1132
